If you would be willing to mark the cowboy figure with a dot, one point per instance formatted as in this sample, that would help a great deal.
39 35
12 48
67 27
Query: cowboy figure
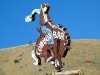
45 20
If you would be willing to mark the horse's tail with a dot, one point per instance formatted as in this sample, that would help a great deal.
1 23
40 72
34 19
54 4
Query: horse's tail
67 43
58 46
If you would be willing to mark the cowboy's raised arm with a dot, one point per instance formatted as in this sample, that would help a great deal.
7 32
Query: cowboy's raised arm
37 11
31 17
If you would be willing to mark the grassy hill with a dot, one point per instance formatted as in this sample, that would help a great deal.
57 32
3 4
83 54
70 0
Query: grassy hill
84 55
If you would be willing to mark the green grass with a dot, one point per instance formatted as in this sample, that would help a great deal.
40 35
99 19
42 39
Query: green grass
84 55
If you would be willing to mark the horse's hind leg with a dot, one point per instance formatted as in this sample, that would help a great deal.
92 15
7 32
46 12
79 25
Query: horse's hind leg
39 60
34 57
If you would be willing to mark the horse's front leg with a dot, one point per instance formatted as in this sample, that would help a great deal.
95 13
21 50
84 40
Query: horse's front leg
57 56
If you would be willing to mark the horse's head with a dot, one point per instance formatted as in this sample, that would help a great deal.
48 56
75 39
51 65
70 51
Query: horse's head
45 7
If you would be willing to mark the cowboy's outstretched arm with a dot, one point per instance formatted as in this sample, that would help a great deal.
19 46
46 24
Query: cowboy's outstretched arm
31 17
37 11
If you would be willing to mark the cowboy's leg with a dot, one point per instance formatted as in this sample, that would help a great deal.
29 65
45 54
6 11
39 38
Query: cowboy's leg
51 43
48 32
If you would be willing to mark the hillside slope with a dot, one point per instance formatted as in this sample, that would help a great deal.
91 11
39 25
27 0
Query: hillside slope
84 55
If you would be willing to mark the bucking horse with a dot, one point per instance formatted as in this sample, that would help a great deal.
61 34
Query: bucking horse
54 41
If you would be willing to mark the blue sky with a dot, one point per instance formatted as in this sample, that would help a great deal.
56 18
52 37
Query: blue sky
81 17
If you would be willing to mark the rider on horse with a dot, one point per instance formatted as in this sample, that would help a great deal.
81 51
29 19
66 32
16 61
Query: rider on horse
53 38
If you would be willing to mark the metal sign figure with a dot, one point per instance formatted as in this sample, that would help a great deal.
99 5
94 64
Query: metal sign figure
54 40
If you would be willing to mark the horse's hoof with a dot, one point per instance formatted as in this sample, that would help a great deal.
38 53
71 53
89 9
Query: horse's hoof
35 63
39 63
52 62
58 69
